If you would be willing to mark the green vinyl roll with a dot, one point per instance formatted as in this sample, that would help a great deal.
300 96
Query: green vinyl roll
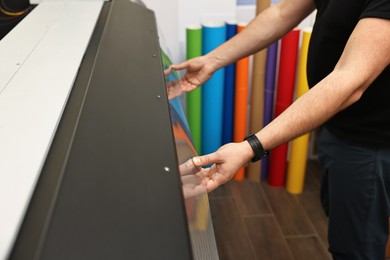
194 98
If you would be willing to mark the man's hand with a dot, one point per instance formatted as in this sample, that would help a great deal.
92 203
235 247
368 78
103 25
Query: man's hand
225 163
198 71
193 179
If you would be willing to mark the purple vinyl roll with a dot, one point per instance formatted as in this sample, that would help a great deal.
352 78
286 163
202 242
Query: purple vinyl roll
269 89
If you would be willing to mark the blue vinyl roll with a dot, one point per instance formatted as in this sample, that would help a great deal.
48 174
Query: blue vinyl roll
228 102
212 92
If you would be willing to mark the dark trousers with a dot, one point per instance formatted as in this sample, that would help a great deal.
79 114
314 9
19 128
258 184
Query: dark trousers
355 194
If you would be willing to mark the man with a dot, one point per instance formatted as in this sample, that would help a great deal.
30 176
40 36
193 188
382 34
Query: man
349 75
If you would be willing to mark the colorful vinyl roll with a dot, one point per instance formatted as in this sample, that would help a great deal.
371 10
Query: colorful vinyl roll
228 103
270 77
284 97
257 96
202 213
213 35
299 147
241 102
194 98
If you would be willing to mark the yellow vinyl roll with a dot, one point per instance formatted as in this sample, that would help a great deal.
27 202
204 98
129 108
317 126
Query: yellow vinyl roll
257 96
201 220
299 147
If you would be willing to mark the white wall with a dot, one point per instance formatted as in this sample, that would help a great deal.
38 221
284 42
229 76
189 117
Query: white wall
174 15
166 12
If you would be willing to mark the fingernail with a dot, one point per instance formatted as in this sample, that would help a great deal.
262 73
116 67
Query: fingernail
196 160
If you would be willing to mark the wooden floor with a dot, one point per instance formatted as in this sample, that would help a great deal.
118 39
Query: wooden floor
256 221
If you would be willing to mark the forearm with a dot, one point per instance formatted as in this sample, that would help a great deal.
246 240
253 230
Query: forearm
358 67
269 26
307 113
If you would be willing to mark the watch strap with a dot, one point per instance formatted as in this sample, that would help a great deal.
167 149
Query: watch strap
257 148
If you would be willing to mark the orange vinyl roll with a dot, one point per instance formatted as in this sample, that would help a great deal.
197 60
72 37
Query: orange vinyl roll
241 102
388 247
257 96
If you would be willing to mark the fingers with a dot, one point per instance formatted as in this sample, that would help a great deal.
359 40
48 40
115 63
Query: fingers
187 85
206 159
216 179
210 178
213 177
189 168
213 184
180 66
173 89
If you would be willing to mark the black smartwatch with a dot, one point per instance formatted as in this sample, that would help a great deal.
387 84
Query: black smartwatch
258 149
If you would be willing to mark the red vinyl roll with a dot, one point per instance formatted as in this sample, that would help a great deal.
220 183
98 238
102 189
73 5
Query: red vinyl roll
284 98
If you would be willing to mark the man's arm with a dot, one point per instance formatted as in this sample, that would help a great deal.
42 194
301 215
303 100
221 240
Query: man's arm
365 56
264 29
269 26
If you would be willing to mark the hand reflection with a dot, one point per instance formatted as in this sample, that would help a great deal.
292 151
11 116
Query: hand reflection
173 87
193 179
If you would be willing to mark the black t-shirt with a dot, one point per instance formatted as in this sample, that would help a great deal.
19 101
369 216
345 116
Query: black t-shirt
366 122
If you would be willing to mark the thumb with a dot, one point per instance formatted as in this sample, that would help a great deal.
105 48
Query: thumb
180 66
205 159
